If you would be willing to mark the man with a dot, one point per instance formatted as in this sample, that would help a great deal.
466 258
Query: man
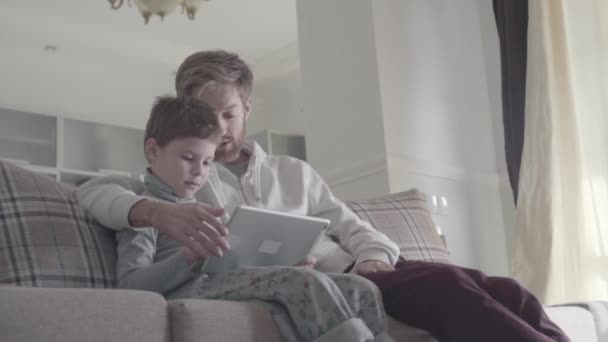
452 303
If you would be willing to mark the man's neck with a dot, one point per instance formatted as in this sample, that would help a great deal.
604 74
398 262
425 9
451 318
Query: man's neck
242 158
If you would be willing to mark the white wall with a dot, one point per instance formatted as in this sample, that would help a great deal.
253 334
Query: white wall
371 184
439 83
434 89
340 91
434 78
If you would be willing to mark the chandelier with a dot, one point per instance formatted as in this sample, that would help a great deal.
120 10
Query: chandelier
148 8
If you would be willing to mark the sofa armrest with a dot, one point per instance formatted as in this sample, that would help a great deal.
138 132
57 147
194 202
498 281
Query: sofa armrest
599 311
575 322
66 315
221 321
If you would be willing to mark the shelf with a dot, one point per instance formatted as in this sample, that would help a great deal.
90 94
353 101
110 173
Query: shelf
32 167
281 144
77 177
51 171
93 147
69 150
20 162
27 140
107 172
28 136
83 173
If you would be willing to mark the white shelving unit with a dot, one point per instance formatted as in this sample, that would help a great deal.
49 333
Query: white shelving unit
281 144
69 150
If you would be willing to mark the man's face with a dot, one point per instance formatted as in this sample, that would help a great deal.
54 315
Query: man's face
183 163
231 111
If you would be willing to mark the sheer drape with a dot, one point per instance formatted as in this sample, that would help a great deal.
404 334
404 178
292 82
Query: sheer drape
562 214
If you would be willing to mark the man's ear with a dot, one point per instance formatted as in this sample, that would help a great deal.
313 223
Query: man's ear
151 149
247 107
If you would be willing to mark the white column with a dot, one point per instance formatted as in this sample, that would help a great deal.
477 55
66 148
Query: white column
341 95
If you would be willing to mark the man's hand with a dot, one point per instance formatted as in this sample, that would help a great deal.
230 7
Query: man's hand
193 224
308 262
371 266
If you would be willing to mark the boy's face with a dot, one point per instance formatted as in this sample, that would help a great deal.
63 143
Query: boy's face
232 112
183 163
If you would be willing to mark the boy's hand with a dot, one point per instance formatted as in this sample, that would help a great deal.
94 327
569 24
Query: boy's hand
191 257
308 262
193 224
371 266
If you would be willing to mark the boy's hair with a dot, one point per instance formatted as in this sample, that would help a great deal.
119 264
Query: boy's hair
216 67
181 117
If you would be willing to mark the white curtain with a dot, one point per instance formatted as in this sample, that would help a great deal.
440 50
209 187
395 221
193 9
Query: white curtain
561 244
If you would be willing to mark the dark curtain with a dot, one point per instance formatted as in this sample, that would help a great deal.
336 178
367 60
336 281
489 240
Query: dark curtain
512 23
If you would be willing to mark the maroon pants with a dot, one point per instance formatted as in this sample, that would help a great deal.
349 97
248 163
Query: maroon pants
460 304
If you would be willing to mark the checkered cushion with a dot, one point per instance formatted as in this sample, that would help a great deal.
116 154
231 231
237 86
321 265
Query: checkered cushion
405 218
46 239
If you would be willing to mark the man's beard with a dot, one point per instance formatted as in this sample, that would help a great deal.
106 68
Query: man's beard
230 151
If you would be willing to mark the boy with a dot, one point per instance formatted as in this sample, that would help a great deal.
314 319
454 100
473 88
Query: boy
181 139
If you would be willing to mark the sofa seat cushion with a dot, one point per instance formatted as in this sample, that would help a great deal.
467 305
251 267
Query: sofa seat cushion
46 238
402 332
75 315
576 322
221 321
405 218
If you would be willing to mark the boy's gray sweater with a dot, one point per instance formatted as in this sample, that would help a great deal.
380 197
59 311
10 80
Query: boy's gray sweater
149 260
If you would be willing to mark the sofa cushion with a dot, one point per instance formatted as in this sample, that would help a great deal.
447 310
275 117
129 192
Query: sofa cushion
46 239
402 332
75 315
575 322
405 218
597 309
221 321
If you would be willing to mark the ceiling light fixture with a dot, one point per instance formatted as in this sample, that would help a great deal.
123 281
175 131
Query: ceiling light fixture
148 8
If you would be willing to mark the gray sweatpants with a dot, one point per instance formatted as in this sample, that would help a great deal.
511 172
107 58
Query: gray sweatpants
306 305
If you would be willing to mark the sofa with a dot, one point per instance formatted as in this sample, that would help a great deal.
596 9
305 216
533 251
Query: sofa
57 276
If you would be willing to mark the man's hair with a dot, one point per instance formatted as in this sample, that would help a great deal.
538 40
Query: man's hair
216 67
181 117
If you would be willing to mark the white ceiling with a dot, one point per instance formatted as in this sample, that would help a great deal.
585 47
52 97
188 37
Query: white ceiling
108 65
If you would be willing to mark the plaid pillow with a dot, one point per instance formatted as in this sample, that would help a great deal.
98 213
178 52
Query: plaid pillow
405 218
46 239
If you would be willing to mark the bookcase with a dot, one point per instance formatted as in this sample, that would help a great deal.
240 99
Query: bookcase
74 151
69 150
281 144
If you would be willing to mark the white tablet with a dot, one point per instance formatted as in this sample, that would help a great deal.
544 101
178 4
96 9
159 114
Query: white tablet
261 237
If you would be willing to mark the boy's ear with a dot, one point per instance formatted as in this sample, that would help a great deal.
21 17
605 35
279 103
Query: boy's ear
151 149
247 107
